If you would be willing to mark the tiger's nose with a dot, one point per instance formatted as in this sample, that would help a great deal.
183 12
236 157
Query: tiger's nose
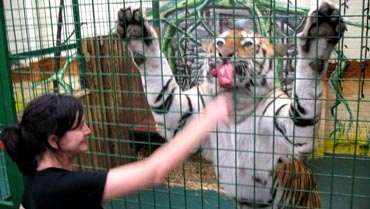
225 53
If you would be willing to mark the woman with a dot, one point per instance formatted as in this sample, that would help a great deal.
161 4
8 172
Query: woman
52 134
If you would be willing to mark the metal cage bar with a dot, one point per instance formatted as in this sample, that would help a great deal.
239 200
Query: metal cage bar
8 117
115 102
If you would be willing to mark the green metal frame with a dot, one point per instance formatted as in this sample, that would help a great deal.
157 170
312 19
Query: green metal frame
58 76
81 62
7 106
8 116
257 5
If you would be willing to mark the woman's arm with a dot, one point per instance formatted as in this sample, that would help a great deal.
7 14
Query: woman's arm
132 177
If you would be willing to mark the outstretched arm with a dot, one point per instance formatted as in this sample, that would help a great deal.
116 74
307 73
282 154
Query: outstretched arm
129 178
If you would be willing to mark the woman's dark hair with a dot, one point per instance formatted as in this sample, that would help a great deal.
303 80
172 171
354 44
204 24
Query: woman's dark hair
50 114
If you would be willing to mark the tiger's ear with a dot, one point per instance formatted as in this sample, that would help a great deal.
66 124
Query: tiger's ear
281 49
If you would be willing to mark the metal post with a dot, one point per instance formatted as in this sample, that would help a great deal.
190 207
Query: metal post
81 60
156 16
8 115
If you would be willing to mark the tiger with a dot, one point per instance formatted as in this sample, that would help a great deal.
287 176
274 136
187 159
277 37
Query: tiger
259 153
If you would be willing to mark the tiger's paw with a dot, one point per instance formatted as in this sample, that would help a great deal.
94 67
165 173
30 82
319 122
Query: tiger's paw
141 38
132 24
324 22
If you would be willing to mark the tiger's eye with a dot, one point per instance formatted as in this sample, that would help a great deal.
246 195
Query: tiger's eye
219 43
248 44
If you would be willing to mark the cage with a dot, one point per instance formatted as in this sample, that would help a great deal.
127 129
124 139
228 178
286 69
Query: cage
71 47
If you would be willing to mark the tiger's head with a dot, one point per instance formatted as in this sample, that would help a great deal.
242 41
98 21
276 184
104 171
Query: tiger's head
247 55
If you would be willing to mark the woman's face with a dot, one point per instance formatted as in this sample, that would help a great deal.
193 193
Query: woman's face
73 142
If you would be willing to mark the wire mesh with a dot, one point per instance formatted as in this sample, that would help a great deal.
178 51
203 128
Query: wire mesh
71 47
4 183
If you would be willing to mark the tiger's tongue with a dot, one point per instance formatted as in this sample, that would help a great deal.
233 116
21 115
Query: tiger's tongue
225 75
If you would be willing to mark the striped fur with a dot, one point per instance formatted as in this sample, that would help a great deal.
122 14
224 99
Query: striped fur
298 186
268 128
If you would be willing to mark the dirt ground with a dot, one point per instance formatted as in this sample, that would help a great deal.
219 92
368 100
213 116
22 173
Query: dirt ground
195 173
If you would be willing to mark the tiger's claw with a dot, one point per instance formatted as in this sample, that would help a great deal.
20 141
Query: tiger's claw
132 24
